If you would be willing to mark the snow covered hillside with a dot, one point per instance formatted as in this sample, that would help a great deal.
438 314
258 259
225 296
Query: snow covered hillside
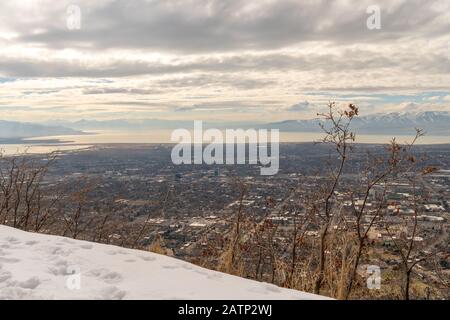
36 266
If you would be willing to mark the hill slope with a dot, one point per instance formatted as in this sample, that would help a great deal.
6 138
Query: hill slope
37 266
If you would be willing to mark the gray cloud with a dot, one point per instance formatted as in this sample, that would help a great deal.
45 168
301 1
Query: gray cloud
109 90
234 105
217 25
301 107
211 80
348 60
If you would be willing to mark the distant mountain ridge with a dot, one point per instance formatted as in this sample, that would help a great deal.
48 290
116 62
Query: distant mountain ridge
433 122
15 129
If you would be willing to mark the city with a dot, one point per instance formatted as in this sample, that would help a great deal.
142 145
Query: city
190 210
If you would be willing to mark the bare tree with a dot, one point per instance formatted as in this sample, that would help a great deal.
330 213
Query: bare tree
22 203
378 173
76 222
230 260
144 226
406 242
340 136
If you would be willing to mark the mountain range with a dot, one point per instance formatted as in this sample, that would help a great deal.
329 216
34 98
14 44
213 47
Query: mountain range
433 122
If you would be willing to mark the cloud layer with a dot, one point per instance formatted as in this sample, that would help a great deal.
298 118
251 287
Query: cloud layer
261 58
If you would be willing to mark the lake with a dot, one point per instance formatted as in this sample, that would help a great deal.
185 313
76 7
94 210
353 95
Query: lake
79 142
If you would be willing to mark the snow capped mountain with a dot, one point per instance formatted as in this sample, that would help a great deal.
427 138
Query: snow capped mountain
431 116
433 122
37 266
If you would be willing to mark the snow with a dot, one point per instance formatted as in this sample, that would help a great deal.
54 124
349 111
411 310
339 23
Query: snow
38 266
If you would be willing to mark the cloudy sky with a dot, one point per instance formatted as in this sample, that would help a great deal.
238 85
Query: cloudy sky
253 60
